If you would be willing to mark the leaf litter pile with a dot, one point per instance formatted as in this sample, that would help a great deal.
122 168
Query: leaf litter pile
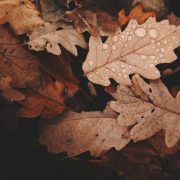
100 80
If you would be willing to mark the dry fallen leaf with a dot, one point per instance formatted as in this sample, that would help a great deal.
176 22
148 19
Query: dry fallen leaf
50 11
49 38
45 100
7 91
148 108
136 13
17 62
21 15
157 141
158 5
173 19
138 49
76 133
93 20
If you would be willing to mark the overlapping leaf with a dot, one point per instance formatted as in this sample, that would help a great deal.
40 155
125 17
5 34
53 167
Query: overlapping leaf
49 38
21 15
76 133
149 108
138 49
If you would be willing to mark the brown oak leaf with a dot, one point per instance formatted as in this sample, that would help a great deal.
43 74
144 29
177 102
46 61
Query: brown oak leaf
76 133
17 62
136 13
148 108
21 15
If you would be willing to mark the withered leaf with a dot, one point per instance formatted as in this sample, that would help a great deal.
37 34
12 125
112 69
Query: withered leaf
17 62
160 6
173 19
21 15
45 100
138 49
136 13
76 133
49 38
50 11
93 20
157 141
7 91
149 108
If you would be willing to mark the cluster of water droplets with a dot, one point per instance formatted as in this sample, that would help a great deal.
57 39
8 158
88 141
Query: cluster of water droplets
133 37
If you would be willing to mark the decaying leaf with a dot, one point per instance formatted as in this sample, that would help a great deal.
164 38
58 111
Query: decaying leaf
49 38
135 161
50 11
157 141
7 90
93 20
173 19
21 15
149 108
136 13
17 62
157 5
76 133
138 49
45 100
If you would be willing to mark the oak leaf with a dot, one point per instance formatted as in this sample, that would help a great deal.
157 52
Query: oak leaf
45 100
7 91
17 62
76 133
50 11
136 13
149 108
49 38
21 15
138 49
93 20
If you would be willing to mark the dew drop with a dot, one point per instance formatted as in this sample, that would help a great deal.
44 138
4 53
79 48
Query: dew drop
91 63
113 69
129 38
140 32
105 46
130 66
162 49
127 33
161 55
153 33
123 70
125 75
149 25
115 38
152 57
145 66
143 56
122 36
133 26
122 65
151 65
113 47
119 74
165 42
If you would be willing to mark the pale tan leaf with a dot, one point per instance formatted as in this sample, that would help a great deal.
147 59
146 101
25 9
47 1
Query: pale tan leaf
138 49
21 15
149 112
76 133
49 38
